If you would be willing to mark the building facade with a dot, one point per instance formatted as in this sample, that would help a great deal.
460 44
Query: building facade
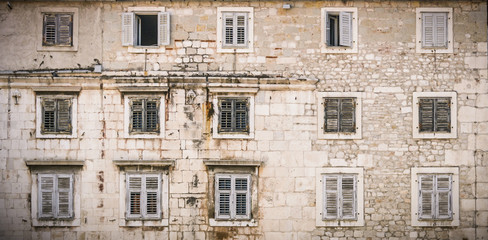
243 120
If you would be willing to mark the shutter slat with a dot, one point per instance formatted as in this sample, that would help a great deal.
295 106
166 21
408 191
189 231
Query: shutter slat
164 28
345 29
128 29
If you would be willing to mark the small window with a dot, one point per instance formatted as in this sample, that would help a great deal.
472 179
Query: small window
56 116
146 27
233 115
232 196
339 115
55 196
434 30
143 196
144 116
435 196
434 115
339 30
234 29
339 196
57 29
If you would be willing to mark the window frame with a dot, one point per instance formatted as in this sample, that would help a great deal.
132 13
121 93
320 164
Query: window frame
324 48
46 170
416 121
419 31
55 196
143 215
39 116
249 46
131 47
230 93
321 134
415 196
320 219
74 30
232 201
125 219
128 113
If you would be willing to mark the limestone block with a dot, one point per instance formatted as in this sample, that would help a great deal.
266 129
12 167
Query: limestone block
338 162
482 204
466 127
482 173
466 86
466 114
304 184
459 157
478 62
262 110
467 205
315 158
482 219
365 160
482 100
482 47
482 190
482 114
482 142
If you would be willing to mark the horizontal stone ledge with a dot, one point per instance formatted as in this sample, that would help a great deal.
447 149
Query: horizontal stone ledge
143 89
235 89
249 163
158 163
64 89
54 162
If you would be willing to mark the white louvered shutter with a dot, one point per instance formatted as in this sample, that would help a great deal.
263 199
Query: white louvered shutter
443 196
241 29
348 197
134 195
228 23
327 34
46 195
223 189
64 195
331 197
164 24
152 196
242 198
345 29
427 30
440 30
128 29
426 197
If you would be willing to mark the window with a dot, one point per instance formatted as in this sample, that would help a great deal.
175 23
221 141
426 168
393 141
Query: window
143 196
55 197
340 192
339 115
146 28
434 30
435 196
232 196
434 115
56 112
58 29
233 115
144 117
235 29
339 30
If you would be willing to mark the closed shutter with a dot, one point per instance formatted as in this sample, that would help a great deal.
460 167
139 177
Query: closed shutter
440 24
331 197
348 197
134 195
426 197
225 115
228 31
152 189
327 33
241 29
152 115
65 196
241 115
49 29
64 116
426 115
345 29
443 196
347 115
427 29
242 197
48 116
128 32
46 195
137 118
65 26
443 115
331 116
223 186
164 28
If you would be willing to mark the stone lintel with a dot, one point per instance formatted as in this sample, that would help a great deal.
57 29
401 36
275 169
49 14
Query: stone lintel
54 163
158 163
247 163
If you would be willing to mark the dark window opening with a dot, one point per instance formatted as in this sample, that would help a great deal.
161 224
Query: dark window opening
333 32
147 30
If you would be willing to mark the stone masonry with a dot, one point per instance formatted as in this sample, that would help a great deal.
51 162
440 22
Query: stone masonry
289 70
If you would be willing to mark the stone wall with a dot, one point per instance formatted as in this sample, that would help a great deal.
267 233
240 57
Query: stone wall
289 69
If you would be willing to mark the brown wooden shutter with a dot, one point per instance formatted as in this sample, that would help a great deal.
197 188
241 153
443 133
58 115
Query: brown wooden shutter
426 114
65 29
48 116
137 118
64 116
331 116
241 115
225 115
348 197
443 115
49 30
347 115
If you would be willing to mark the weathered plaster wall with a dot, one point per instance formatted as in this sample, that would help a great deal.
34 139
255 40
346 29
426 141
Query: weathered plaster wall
386 69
